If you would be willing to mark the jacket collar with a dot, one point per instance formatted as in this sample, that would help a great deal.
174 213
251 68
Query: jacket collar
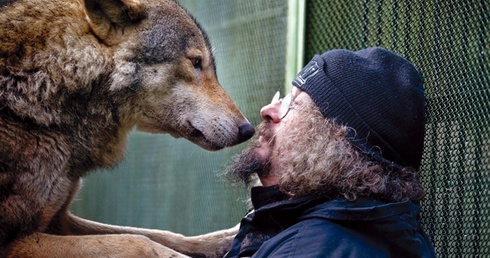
272 199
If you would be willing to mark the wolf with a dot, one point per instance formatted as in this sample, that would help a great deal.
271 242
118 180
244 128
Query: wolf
76 76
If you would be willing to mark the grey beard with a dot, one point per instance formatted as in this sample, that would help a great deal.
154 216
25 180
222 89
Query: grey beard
245 166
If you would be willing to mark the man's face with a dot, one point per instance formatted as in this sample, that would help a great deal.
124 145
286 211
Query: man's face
261 156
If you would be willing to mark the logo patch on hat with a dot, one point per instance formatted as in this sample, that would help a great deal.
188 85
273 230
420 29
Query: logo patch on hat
310 69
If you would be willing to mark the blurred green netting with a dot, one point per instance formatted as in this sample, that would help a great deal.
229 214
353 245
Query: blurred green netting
172 184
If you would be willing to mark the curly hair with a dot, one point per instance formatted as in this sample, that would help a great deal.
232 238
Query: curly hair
317 159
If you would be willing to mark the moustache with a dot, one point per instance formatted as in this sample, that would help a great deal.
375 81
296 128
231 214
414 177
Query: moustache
265 131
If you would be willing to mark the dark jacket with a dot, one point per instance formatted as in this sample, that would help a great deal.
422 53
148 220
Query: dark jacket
319 227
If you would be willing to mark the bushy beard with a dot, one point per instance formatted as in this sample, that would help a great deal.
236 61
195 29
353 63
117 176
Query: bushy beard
246 166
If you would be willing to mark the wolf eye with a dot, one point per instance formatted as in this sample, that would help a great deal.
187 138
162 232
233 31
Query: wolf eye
197 62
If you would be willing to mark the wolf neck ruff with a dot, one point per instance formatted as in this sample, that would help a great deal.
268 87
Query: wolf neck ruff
377 94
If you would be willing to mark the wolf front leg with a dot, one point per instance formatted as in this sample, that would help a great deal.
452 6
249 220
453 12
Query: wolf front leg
214 244
90 246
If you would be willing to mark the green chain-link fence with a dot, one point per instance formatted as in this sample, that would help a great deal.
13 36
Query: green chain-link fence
448 42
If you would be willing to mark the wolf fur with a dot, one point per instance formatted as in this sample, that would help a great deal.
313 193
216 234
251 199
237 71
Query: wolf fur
75 78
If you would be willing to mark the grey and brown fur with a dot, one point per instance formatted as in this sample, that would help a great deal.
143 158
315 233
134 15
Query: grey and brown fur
75 78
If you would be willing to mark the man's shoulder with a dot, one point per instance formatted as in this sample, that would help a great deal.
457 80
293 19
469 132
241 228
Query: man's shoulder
319 228
361 210
317 237
340 228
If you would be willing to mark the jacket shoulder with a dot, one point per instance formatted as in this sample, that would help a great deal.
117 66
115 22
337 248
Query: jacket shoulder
317 237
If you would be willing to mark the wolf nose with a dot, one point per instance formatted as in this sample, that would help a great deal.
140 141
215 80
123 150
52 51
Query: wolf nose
246 131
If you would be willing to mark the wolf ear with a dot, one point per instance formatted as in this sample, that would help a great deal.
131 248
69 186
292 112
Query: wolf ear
109 18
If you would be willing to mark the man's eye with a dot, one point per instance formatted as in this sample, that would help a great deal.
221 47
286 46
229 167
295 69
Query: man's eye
197 62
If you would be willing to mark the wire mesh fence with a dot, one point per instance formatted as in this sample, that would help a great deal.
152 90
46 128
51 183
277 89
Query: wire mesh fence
448 42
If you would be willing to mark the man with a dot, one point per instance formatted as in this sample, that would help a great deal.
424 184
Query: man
338 161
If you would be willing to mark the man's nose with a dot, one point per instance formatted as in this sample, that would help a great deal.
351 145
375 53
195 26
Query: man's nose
271 112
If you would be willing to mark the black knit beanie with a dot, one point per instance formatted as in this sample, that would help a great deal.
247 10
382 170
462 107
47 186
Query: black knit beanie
377 94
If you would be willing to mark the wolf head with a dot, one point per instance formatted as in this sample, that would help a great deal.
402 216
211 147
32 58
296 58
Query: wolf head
164 56
145 64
